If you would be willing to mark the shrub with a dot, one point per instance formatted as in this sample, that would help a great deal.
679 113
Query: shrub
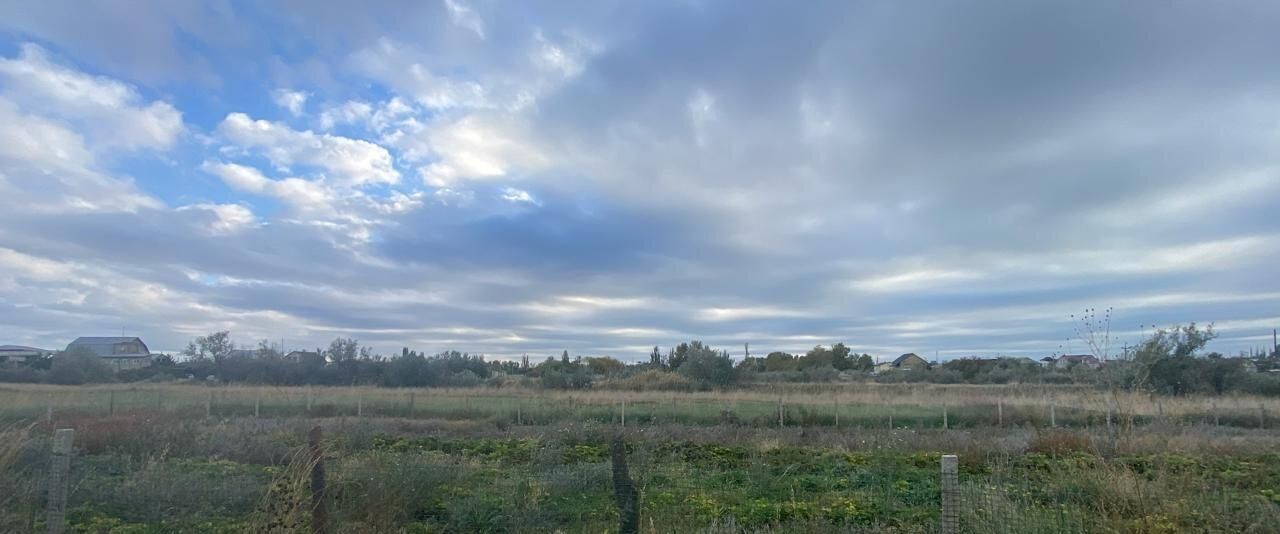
651 380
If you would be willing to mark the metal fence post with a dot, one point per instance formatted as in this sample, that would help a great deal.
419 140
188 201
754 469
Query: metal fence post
59 466
624 490
950 494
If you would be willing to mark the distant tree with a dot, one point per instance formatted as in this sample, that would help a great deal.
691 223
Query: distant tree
706 365
840 357
79 366
343 349
267 351
604 365
564 357
779 361
215 346
864 363
655 357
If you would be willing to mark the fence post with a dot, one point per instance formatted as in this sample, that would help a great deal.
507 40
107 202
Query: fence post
782 418
624 490
1000 412
1108 416
257 405
319 515
1262 416
360 406
1053 413
950 494
308 398
624 413
111 402
890 421
412 398
519 420
60 465
945 422
208 405
1214 408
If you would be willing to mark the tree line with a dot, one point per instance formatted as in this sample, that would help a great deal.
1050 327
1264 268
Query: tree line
1171 361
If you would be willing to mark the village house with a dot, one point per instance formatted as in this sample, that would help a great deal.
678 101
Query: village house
118 352
906 362
1071 360
11 355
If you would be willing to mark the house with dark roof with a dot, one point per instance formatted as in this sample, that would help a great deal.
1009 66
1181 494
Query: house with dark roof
11 355
906 362
119 352
1072 360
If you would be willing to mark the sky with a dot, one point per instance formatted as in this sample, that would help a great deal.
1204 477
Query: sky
508 178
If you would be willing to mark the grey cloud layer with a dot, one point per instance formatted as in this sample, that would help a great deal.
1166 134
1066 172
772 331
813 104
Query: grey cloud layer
899 177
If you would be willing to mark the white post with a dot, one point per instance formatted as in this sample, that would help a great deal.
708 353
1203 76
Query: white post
944 418
950 494
56 520
1053 413
624 413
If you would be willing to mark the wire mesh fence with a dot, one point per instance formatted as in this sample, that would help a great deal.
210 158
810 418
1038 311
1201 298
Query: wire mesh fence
429 484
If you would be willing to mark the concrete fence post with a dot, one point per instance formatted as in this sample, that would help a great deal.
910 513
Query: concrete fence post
950 494
945 422
319 515
1053 413
624 413
1000 412
624 489
782 411
59 468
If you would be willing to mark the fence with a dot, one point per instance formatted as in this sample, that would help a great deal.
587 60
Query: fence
636 409
590 488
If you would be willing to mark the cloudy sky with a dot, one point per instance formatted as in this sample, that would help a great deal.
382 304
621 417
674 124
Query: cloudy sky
602 177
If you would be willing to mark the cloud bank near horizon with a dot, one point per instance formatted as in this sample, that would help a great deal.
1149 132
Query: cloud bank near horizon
509 180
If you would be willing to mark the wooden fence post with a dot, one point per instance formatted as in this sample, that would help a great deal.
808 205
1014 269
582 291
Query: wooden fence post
950 494
111 402
624 413
59 467
890 421
782 418
319 515
208 405
1000 412
624 490
1053 413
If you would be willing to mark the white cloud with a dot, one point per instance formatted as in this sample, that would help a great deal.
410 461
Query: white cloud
403 72
350 112
238 177
474 148
293 101
520 196
224 219
465 17
351 162
112 113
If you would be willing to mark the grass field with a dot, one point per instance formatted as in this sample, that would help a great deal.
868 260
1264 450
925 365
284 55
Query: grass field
187 458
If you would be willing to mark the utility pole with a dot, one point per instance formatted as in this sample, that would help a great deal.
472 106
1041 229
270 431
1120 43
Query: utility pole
1275 347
